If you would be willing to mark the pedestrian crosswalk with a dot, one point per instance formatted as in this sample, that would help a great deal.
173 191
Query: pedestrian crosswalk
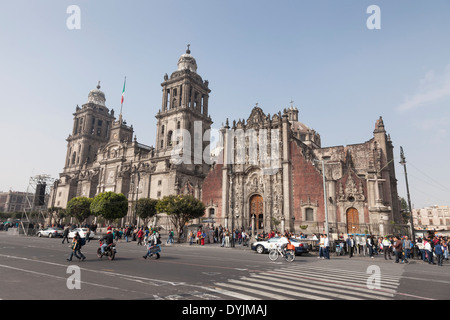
297 282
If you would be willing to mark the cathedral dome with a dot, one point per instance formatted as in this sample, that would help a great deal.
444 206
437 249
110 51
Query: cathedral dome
97 96
187 61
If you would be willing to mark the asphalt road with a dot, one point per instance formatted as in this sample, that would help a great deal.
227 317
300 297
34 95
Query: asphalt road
34 268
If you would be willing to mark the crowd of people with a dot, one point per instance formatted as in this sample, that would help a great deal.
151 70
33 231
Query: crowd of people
224 236
398 248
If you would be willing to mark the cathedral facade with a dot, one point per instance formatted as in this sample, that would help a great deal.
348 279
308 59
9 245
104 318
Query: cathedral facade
104 155
280 184
267 171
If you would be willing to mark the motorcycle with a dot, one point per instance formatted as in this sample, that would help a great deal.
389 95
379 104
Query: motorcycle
110 251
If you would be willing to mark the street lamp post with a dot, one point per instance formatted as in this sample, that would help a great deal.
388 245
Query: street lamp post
325 198
403 162
324 195
230 173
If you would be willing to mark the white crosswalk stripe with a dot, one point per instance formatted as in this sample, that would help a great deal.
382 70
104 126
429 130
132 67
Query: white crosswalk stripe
289 282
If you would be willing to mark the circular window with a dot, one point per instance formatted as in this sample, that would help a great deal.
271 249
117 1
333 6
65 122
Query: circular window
351 199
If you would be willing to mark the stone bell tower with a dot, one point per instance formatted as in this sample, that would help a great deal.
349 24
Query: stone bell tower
91 128
184 106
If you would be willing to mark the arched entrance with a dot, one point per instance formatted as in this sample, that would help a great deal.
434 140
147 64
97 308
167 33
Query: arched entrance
257 209
352 220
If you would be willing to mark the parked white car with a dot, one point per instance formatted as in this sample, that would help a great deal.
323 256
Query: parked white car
265 246
82 232
50 232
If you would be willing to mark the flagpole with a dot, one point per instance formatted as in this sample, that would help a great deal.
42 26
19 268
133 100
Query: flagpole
121 102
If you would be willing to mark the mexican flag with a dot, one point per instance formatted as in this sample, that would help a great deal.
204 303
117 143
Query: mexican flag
123 91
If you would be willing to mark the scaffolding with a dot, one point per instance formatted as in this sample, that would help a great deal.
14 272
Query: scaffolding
37 196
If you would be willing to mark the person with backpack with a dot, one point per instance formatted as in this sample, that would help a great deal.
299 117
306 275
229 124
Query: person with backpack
76 248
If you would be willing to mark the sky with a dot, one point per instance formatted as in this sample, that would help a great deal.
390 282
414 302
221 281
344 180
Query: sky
341 75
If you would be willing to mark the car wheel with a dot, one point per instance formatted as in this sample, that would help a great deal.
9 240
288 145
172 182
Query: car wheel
260 249
39 234
50 235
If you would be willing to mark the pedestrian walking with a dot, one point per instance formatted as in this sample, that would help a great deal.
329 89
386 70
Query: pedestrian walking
65 235
386 248
191 237
321 248
439 251
127 233
371 246
326 245
407 248
140 237
429 251
76 248
170 239
350 246
227 239
445 245
421 247
398 249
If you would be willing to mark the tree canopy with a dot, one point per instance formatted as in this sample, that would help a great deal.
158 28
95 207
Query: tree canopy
110 205
146 208
79 208
181 209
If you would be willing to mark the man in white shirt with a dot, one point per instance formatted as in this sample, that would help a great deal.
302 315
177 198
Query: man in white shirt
326 245
429 250
386 248
282 242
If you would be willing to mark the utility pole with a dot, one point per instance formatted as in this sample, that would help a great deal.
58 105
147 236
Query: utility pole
325 198
231 175
403 162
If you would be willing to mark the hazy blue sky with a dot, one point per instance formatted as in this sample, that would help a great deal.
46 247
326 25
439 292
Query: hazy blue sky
341 75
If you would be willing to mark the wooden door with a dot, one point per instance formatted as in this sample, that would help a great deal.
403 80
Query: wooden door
352 221
257 209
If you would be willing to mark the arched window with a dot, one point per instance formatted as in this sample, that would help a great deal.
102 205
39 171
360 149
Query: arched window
309 214
169 138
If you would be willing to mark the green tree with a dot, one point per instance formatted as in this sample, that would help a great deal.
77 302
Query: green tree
180 209
79 208
404 209
110 205
146 208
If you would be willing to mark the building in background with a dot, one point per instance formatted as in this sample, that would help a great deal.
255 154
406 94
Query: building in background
14 201
432 218
267 169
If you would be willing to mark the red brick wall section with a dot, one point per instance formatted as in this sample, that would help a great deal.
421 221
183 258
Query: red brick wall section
212 189
306 181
